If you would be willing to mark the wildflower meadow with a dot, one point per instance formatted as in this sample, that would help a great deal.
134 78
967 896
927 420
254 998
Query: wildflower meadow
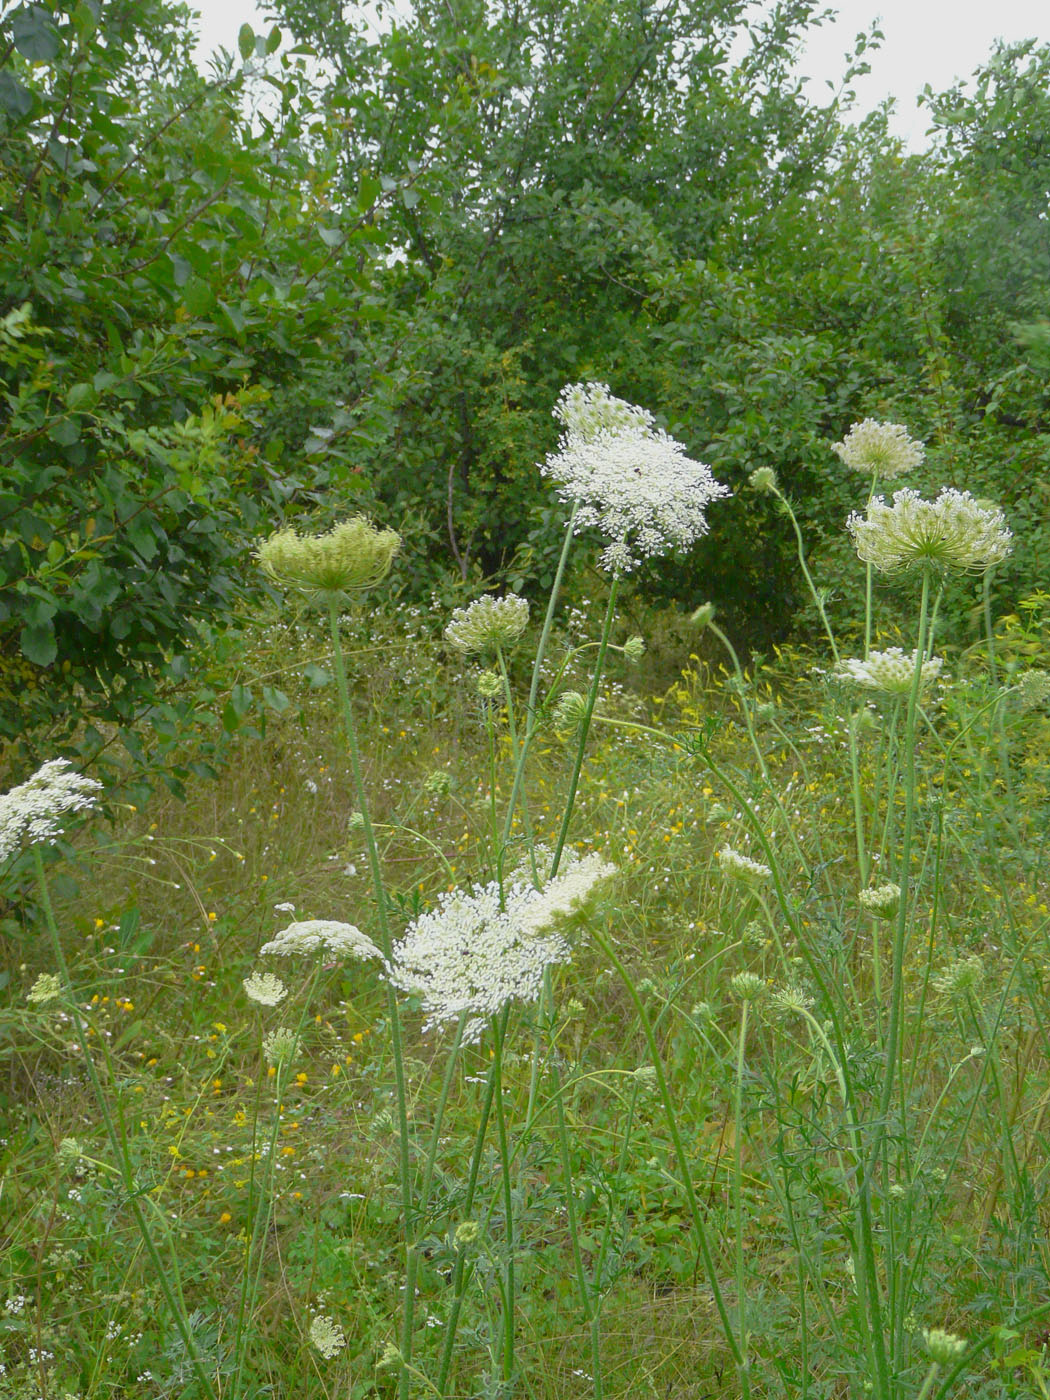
500 1022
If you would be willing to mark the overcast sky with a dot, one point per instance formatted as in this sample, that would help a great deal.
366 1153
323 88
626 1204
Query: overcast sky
927 41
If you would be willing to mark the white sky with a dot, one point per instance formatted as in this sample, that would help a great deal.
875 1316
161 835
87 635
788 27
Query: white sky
927 41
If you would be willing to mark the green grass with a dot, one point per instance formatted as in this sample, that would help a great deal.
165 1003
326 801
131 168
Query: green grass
162 913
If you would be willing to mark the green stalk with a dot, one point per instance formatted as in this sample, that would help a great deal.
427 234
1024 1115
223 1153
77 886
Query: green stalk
534 684
116 1140
739 1360
393 1015
508 1206
585 724
458 1282
738 1180
818 600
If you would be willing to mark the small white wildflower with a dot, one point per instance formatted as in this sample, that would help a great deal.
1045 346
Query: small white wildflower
30 812
882 901
631 480
473 954
279 1047
47 987
954 531
287 908
879 449
743 868
15 1305
943 1347
327 1336
488 624
1032 688
888 672
265 988
321 935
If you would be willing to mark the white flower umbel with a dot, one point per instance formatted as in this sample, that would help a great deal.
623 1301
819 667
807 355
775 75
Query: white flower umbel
888 672
31 812
472 955
881 901
879 449
321 935
953 532
743 868
327 1336
488 624
631 480
265 988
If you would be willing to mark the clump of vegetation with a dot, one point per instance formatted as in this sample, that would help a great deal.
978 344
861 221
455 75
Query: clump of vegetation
490 1028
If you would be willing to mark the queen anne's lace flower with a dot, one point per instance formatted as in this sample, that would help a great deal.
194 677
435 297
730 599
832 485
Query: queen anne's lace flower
321 935
265 988
348 559
1033 687
954 531
739 867
488 624
30 812
327 1336
631 480
279 1047
943 1347
879 449
881 901
473 954
889 672
46 988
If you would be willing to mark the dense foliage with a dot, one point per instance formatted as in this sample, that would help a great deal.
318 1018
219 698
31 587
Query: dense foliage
366 279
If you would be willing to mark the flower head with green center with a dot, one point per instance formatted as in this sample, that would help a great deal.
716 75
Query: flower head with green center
475 953
265 988
748 986
321 936
959 979
743 868
279 1047
31 812
888 672
631 480
488 625
350 558
953 532
879 449
882 901
763 479
570 710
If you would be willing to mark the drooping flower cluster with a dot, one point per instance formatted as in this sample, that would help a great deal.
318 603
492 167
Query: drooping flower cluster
321 935
888 672
879 449
743 868
475 953
31 811
631 480
488 624
350 558
955 531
